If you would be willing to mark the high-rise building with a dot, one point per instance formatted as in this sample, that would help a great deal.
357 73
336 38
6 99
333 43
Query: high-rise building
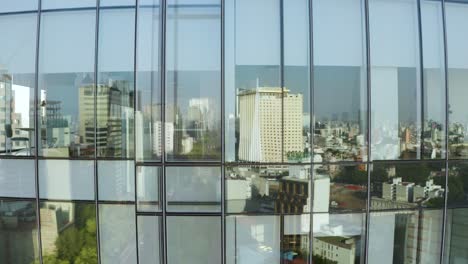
264 136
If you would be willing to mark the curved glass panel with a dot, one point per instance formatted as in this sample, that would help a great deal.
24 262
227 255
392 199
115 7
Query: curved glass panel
115 92
17 82
395 80
148 123
66 90
193 80
340 128
18 231
68 232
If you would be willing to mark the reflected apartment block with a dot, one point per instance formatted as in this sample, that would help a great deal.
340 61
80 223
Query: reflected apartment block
335 249
263 135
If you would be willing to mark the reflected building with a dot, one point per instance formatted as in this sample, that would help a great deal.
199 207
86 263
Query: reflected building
114 114
263 135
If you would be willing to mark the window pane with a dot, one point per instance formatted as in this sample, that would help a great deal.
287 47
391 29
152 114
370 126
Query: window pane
148 182
193 88
18 232
456 248
296 96
116 180
117 2
296 239
15 6
181 249
66 179
407 185
458 184
339 238
56 4
340 131
117 234
457 41
434 80
148 125
68 232
252 239
268 189
340 188
395 80
149 240
252 81
193 189
17 82
17 178
115 95
405 237
66 123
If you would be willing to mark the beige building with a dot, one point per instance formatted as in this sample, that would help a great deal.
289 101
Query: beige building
260 124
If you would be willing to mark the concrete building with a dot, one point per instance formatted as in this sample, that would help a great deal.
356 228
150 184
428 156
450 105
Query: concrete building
338 249
261 127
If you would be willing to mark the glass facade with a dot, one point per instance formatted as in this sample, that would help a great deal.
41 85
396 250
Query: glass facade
233 131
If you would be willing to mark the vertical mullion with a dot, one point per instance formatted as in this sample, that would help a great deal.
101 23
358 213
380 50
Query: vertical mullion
223 157
311 127
162 72
96 84
421 76
446 84
369 126
134 125
37 130
281 14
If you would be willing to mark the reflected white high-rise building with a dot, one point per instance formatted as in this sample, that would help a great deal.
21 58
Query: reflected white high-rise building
263 135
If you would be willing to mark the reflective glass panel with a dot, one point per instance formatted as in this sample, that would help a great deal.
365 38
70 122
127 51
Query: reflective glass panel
456 236
458 184
395 80
148 188
18 232
296 239
339 188
434 94
18 6
340 82
17 82
253 116
193 189
68 232
66 90
296 95
457 56
407 185
116 180
180 232
253 239
117 234
115 93
193 80
405 237
149 240
268 189
17 178
66 179
338 238
58 4
148 123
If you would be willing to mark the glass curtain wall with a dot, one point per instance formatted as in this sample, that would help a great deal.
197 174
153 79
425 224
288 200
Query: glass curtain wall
233 131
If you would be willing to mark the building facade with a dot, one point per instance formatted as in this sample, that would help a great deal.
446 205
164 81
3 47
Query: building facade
233 131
